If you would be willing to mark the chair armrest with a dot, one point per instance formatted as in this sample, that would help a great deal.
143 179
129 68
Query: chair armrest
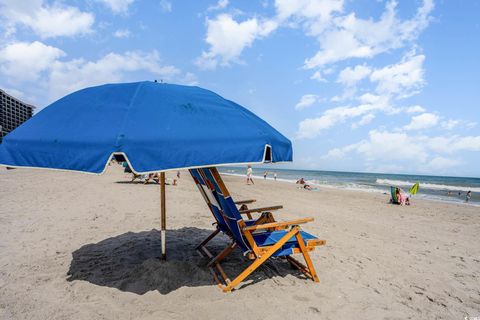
260 209
277 224
245 201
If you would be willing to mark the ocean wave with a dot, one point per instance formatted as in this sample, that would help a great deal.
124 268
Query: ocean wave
434 186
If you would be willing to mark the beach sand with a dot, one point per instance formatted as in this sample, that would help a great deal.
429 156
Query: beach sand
80 246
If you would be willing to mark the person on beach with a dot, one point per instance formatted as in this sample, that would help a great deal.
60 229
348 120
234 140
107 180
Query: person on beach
249 175
265 175
275 176
176 178
402 197
126 167
152 176
302 182
468 196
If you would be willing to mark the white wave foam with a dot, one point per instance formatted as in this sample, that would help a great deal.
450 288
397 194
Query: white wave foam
406 183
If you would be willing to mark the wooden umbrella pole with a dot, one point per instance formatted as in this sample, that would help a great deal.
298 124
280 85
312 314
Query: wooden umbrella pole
163 218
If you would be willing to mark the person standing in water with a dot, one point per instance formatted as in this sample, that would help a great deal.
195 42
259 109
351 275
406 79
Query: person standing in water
265 175
249 175
469 195
275 176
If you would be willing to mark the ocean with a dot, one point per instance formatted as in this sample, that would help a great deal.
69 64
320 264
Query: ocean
448 189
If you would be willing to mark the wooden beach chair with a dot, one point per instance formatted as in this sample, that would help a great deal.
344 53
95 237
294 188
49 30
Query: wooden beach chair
208 192
258 241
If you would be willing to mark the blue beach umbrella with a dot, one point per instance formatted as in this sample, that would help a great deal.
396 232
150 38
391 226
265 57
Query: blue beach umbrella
157 127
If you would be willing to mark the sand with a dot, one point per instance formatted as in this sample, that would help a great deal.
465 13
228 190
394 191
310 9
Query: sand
80 246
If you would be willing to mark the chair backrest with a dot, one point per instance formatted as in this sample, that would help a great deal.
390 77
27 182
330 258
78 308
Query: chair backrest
209 195
393 192
228 208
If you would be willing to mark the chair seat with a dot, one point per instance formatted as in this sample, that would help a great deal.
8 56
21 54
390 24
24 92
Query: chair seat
265 239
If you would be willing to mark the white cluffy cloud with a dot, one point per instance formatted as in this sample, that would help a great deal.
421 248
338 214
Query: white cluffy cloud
391 82
22 63
340 35
122 33
350 77
409 152
118 6
415 109
227 39
306 101
402 79
221 4
166 6
47 21
422 121
312 127
450 124
314 15
366 119
442 163
75 74
352 37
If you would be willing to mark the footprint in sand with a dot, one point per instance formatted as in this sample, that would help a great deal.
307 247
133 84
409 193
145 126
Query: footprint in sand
300 298
314 309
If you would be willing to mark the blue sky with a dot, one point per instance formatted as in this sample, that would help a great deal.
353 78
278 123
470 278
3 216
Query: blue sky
378 86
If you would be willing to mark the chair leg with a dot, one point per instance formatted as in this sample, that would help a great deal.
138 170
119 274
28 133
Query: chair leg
225 252
202 249
260 260
204 242
306 256
215 262
300 266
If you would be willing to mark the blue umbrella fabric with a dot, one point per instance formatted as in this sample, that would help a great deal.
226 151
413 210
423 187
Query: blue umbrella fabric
156 126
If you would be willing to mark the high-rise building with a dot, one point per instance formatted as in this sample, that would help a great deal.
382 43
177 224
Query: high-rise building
13 113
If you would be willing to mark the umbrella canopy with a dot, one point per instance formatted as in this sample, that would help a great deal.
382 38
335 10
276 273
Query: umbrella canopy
156 126
414 189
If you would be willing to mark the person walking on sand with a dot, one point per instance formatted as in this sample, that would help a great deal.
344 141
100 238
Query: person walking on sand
265 175
468 196
176 178
249 175
275 176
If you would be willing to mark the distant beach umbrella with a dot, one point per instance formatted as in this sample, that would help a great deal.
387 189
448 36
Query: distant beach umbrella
157 127
414 189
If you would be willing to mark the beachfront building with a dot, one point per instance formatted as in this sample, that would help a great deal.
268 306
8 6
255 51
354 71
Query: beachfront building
13 113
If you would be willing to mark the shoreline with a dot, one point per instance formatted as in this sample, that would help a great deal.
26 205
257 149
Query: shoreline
421 197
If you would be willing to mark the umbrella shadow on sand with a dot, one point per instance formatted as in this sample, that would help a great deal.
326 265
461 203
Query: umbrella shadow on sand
130 262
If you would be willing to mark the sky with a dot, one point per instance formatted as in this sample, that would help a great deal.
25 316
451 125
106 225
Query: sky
370 86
